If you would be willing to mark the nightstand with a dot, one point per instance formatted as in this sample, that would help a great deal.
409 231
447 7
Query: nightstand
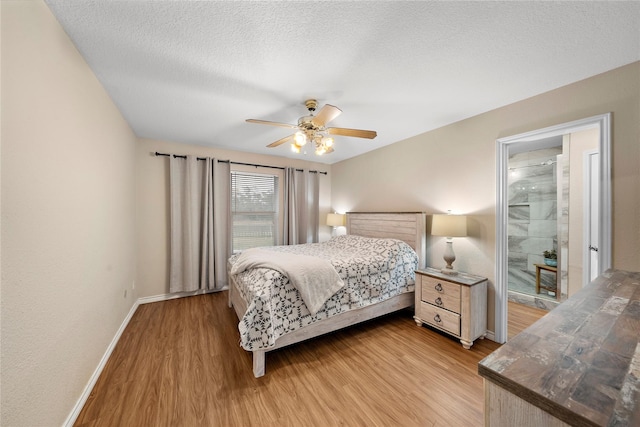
455 304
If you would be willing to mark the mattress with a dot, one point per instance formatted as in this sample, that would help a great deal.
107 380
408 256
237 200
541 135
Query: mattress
373 270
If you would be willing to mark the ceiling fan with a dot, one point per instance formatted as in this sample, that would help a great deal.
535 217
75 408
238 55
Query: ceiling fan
313 129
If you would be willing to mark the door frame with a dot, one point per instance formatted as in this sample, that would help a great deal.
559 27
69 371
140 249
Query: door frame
503 148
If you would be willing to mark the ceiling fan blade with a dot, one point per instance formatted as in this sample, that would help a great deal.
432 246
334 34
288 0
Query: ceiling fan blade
325 115
280 141
266 122
357 133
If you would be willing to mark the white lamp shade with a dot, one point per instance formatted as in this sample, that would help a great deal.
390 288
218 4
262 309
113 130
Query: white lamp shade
449 225
335 219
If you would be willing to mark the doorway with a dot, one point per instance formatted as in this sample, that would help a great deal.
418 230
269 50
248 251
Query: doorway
527 142
535 189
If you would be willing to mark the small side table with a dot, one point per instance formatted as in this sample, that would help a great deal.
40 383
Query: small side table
455 304
538 285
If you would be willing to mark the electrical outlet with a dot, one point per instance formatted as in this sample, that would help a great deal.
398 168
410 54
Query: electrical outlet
133 284
125 293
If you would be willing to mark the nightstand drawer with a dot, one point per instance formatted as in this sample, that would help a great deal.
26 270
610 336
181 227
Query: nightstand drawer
441 293
440 318
449 300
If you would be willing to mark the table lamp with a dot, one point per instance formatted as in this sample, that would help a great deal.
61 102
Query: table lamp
449 226
335 220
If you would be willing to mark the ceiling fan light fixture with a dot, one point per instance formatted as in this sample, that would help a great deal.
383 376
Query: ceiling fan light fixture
300 138
313 128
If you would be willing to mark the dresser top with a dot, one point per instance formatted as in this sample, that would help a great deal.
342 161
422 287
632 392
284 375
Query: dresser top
460 278
581 361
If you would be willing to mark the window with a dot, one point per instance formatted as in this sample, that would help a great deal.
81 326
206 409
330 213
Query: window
254 208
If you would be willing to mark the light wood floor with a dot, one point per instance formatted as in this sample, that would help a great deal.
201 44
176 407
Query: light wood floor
179 363
521 317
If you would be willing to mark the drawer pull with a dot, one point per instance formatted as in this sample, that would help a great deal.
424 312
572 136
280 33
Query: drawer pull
437 318
438 287
439 301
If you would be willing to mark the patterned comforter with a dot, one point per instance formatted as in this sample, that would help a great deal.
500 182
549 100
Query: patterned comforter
373 270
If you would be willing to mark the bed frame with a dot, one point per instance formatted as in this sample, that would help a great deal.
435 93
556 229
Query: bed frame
406 226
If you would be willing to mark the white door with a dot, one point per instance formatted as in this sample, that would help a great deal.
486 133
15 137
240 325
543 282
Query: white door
591 219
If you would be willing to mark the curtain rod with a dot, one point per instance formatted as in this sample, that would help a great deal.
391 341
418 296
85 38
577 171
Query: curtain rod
177 156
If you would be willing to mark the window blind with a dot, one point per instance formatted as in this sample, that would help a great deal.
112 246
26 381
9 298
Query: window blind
254 208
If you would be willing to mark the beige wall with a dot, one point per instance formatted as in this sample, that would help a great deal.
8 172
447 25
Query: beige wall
454 167
153 209
68 207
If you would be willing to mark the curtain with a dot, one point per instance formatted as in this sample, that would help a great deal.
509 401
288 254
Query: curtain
200 224
301 205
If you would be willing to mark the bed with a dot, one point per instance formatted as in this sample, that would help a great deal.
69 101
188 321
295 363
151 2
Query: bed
274 313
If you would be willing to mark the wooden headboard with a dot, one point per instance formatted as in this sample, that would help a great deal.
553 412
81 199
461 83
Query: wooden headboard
410 227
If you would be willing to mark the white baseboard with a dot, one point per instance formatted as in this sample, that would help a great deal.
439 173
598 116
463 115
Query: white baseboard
71 419
491 335
73 416
167 297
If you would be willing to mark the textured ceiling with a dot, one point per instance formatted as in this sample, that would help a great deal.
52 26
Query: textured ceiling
192 72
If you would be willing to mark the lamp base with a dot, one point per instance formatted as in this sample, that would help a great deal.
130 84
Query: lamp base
449 257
